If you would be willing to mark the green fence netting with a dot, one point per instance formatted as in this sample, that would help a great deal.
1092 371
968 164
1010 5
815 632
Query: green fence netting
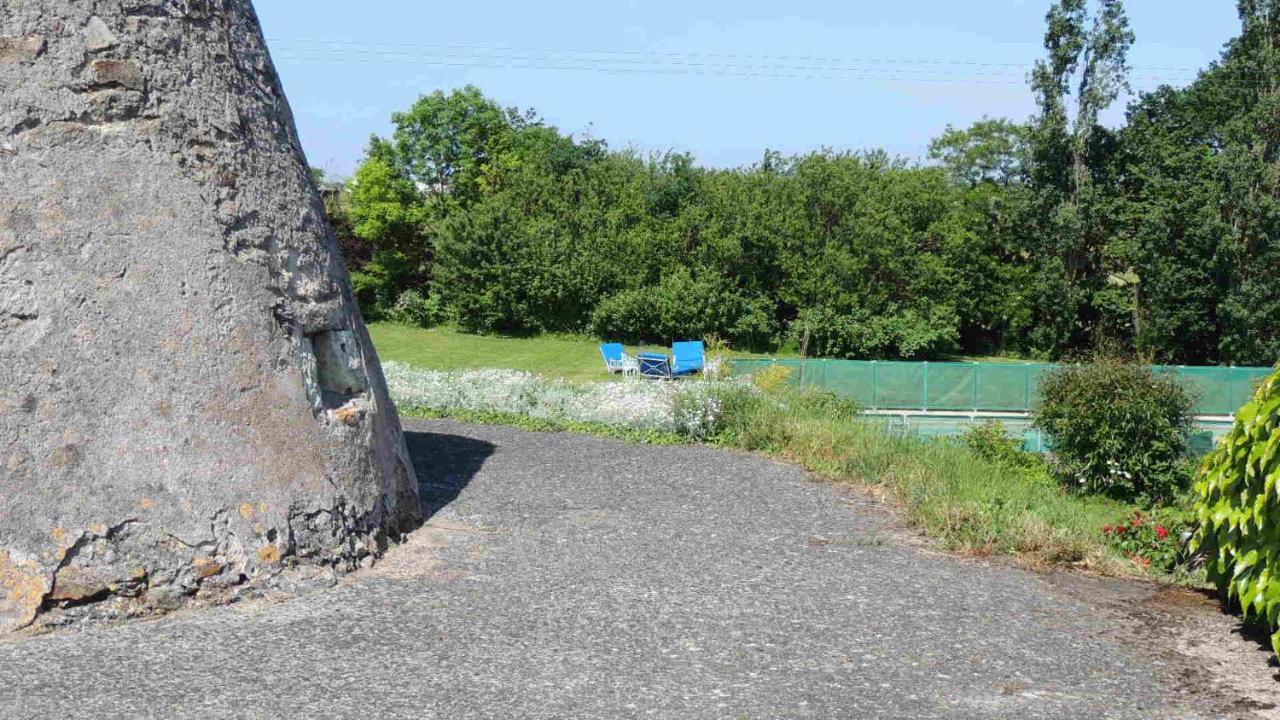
992 387
1204 435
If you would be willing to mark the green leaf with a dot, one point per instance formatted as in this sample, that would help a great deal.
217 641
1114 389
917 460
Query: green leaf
1249 560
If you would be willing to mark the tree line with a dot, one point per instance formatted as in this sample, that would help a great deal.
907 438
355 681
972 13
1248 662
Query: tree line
1043 238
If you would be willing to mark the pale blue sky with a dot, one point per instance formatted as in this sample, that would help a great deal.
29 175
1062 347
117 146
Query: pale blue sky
713 77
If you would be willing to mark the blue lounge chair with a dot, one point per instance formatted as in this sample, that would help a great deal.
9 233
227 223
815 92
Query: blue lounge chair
616 359
688 357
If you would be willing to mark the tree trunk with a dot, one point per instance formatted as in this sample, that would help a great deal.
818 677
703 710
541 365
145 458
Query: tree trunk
189 400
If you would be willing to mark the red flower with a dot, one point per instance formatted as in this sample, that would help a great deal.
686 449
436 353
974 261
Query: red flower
1107 529
1162 532
1137 520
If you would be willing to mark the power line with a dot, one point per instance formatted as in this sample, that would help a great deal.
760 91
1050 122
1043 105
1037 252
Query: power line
527 65
684 54
744 71
751 72
632 62
599 64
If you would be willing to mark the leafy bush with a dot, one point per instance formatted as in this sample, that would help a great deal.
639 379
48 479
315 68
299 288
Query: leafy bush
682 306
767 413
862 333
822 404
1237 509
1156 541
1117 429
368 290
482 273
719 361
413 308
992 441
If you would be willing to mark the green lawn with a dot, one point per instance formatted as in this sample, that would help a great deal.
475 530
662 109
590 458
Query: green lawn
567 356
576 357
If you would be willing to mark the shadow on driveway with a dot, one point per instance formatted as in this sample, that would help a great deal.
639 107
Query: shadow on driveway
444 464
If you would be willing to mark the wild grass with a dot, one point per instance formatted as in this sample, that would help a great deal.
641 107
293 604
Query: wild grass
968 503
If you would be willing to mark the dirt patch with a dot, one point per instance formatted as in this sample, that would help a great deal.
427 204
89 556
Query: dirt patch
421 555
1209 652
1189 601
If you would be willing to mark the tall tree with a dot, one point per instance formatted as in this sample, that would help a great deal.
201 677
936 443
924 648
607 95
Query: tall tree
1086 61
447 152
448 144
1104 74
1064 41
1095 59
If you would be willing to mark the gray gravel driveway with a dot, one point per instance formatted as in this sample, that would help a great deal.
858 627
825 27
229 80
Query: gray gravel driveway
565 576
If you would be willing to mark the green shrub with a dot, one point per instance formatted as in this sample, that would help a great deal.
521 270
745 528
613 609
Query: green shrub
992 441
683 306
1117 429
368 290
863 333
766 416
749 420
719 358
414 308
1236 504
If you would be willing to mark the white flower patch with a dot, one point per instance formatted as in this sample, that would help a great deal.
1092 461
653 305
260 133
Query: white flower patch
688 407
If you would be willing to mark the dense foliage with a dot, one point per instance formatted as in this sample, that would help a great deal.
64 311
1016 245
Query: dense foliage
1201 228
1117 428
1239 533
1040 238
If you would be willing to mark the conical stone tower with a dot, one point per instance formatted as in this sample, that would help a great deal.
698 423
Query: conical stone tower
189 401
